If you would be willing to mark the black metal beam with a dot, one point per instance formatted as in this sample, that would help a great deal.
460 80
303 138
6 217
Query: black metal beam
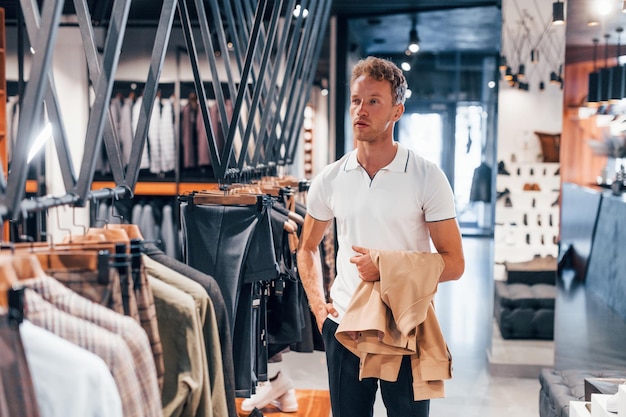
159 49
33 101
111 139
33 23
103 88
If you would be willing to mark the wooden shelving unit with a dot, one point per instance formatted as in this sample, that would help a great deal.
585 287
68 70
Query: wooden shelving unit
148 188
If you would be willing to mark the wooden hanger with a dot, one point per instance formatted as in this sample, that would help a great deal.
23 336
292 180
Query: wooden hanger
132 230
224 199
8 279
27 266
110 234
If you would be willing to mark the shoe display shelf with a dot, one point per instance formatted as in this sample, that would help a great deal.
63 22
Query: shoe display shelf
526 212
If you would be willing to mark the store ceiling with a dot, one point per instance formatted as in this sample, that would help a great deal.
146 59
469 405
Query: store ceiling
382 27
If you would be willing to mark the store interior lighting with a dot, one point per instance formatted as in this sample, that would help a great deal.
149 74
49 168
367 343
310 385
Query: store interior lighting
558 13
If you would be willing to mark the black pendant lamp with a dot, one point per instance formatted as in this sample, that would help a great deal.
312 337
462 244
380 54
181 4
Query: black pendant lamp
558 13
617 74
605 74
593 94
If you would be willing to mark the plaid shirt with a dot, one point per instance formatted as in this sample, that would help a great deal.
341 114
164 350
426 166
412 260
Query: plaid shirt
132 333
107 345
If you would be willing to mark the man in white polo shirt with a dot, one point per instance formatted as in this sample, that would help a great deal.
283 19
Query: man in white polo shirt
382 197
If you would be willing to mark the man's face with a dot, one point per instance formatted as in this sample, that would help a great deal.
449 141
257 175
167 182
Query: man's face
372 110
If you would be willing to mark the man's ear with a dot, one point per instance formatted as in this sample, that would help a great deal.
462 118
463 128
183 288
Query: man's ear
398 112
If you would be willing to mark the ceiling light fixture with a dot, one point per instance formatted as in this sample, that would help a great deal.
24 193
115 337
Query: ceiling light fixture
534 56
616 91
558 13
593 81
502 62
414 41
605 73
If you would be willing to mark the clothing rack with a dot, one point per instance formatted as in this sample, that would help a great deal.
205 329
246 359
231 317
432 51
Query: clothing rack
259 51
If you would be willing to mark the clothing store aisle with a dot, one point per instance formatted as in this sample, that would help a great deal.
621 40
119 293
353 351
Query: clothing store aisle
465 311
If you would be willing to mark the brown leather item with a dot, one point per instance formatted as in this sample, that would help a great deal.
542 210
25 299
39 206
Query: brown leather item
550 146
532 187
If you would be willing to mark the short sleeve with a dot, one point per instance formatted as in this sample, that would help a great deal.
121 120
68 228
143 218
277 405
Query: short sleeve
438 199
317 200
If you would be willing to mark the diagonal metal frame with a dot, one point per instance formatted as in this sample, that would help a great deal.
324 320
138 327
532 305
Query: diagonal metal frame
244 11
266 92
243 86
32 20
103 88
275 144
260 85
298 88
111 140
93 62
208 46
263 101
272 116
159 49
33 100
315 46
192 52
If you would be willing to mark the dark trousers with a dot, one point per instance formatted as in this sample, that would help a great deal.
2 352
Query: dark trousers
234 244
350 397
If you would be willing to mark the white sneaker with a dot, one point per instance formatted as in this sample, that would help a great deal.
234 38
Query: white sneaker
288 402
267 392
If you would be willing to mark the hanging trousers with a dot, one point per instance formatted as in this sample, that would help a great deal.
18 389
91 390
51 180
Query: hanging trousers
234 244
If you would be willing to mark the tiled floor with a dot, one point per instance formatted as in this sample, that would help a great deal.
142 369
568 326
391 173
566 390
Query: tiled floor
464 309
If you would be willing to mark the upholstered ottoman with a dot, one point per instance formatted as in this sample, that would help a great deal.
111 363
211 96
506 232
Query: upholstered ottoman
558 388
525 311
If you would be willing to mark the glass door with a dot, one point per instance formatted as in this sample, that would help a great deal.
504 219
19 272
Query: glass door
453 137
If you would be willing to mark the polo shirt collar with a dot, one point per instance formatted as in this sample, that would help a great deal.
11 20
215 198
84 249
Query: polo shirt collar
398 164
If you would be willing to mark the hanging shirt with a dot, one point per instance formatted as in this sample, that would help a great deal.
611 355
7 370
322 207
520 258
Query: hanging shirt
107 345
126 130
167 137
131 332
69 381
154 137
145 158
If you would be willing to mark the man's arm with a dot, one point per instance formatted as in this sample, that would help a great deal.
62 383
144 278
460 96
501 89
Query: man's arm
310 268
446 237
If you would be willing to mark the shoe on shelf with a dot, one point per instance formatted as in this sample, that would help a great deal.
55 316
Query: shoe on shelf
502 169
288 402
501 194
267 392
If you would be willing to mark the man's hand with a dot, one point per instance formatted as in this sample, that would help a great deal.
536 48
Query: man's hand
363 261
322 312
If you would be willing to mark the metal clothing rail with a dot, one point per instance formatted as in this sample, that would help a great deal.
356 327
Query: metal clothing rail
275 54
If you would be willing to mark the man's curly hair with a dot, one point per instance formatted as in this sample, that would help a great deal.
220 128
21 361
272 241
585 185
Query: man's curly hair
382 69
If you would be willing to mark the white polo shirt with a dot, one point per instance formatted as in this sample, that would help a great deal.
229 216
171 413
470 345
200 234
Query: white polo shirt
388 212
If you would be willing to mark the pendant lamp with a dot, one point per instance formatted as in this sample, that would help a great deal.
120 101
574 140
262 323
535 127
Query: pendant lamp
593 94
605 74
617 74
